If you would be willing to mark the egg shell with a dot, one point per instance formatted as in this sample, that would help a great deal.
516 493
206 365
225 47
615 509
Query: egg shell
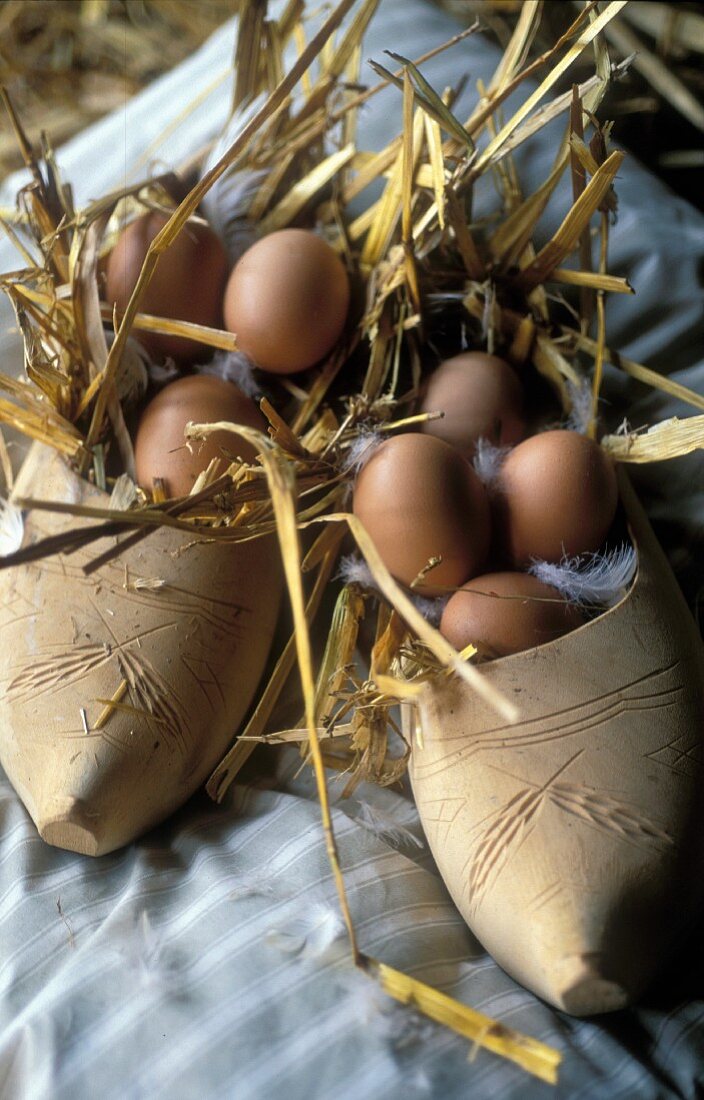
481 397
504 613
556 495
418 498
160 449
287 300
187 284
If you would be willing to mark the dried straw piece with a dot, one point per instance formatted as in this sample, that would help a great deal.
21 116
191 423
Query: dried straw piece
228 768
393 688
427 98
147 322
508 242
304 191
598 376
339 651
89 56
336 64
638 371
501 87
407 169
145 520
564 240
388 209
19 244
549 361
249 60
37 419
579 182
473 263
516 52
530 1054
110 705
522 343
670 438
362 97
550 80
433 174
590 91
150 152
613 284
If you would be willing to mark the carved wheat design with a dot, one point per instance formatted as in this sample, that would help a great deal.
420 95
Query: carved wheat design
510 826
151 692
507 828
609 814
67 666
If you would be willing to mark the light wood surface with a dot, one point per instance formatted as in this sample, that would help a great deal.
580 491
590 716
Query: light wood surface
181 659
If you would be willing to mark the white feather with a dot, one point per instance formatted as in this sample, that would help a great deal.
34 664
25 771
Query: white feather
359 453
312 934
133 375
398 1024
420 1081
145 953
124 494
366 1002
11 527
581 411
235 367
251 886
163 373
488 315
354 570
385 827
488 460
431 608
227 203
408 1027
593 580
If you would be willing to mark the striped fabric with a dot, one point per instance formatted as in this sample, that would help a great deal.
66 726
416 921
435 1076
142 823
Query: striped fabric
209 959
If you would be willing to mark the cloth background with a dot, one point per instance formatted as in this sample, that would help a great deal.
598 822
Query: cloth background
208 959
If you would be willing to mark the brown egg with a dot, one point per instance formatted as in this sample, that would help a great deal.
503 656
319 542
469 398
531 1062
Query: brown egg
503 613
480 396
160 449
556 495
286 301
187 284
418 498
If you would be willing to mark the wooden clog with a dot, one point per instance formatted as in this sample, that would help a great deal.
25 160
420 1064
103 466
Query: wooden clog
176 633
573 841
